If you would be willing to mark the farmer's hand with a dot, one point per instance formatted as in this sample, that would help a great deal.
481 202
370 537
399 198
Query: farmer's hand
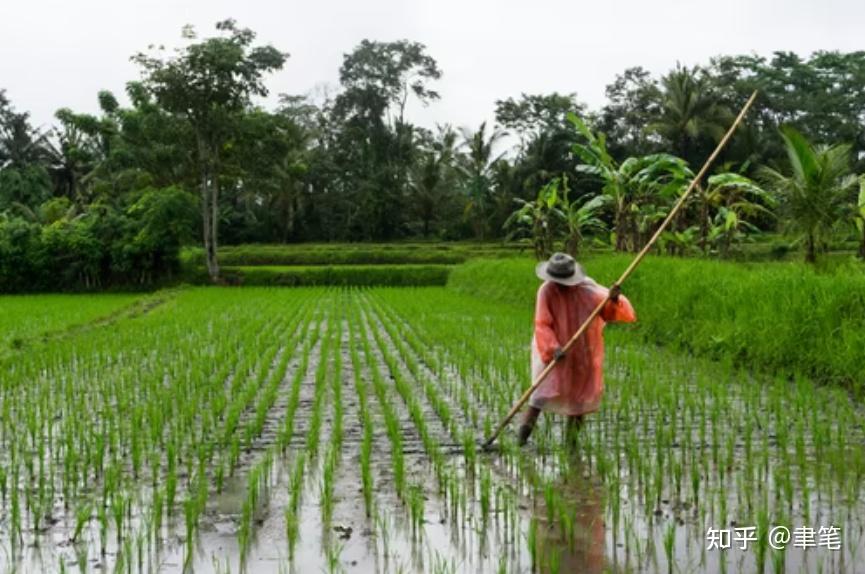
615 291
558 354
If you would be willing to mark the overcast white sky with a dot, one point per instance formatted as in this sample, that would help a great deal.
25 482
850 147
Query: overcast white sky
56 53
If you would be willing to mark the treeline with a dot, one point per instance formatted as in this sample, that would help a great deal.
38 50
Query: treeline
117 190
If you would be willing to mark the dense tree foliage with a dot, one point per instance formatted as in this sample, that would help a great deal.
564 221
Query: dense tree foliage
208 86
110 197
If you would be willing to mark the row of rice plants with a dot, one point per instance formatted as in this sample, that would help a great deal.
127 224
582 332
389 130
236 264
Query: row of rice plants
692 441
118 420
472 489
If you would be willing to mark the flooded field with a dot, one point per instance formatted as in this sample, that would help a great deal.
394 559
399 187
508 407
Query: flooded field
338 430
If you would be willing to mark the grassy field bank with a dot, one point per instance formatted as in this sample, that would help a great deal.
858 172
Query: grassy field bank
341 264
783 318
27 317
353 253
327 275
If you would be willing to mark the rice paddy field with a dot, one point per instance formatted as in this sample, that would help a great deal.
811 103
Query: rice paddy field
26 318
337 429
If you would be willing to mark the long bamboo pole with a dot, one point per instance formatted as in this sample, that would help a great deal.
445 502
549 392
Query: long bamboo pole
630 269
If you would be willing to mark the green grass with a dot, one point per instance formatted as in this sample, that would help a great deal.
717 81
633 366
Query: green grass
322 275
778 317
25 317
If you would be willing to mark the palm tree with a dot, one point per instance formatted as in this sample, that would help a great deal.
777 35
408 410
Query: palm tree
74 158
21 145
430 177
23 159
476 169
690 113
289 174
630 185
817 193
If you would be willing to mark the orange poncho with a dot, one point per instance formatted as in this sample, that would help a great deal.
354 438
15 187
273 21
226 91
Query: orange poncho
576 384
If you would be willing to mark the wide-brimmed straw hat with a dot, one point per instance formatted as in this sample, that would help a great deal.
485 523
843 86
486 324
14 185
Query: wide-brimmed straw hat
561 268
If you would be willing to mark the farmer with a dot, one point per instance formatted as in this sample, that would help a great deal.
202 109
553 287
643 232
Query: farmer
566 299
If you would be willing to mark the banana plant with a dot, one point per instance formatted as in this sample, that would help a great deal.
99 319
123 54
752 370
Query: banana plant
727 228
859 217
630 184
538 219
734 198
581 216
679 241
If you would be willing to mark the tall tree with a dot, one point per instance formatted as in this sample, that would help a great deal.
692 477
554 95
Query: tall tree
432 178
540 121
690 118
375 144
76 153
476 167
819 95
23 157
388 72
268 164
533 114
633 102
209 84
817 192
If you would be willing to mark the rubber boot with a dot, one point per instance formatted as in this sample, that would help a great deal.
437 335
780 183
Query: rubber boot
524 433
529 420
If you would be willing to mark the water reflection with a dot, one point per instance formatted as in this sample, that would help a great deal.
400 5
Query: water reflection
575 540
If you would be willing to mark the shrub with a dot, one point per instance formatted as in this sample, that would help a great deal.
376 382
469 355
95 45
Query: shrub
101 247
780 249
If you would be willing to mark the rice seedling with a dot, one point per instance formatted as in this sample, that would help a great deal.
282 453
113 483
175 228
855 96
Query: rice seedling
416 508
295 484
82 517
485 492
384 534
442 564
292 529
365 464
102 516
669 544
334 552
118 511
532 540
554 561
327 490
